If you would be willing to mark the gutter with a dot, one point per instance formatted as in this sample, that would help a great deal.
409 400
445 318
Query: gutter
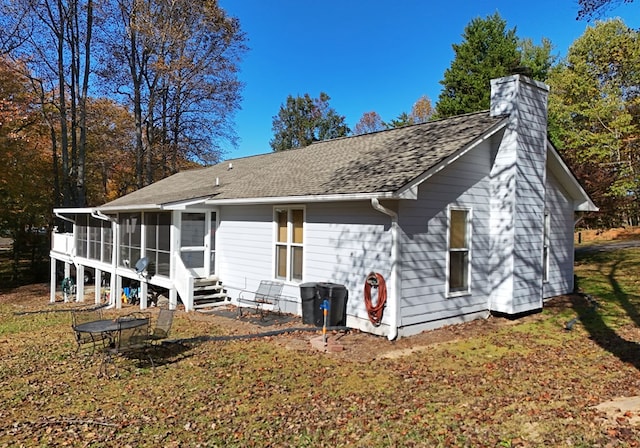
408 193
394 280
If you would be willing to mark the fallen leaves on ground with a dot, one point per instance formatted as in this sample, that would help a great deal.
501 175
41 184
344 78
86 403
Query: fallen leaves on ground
493 383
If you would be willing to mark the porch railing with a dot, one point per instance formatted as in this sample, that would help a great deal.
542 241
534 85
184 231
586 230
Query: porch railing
62 243
183 281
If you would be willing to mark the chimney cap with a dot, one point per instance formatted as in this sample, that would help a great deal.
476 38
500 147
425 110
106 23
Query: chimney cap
522 70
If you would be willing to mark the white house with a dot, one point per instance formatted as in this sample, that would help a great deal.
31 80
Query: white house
461 217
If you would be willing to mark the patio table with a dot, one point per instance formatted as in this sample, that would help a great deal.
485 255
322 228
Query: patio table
109 327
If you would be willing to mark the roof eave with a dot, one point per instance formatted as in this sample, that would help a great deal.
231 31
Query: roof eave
407 194
128 208
581 200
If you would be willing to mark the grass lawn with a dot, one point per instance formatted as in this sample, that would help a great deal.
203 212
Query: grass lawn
525 383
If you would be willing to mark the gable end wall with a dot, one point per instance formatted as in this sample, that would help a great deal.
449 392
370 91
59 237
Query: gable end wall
424 302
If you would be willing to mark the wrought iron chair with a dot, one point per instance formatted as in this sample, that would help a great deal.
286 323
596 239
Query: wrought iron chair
80 316
131 342
162 326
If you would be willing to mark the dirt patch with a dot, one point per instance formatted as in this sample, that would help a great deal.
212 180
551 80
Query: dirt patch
621 408
589 236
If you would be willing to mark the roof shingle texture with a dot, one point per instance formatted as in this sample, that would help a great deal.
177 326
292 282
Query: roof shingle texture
380 162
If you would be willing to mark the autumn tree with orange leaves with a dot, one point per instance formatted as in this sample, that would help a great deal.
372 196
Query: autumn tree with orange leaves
25 168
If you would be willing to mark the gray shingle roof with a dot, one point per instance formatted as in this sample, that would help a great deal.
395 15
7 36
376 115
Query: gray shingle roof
381 162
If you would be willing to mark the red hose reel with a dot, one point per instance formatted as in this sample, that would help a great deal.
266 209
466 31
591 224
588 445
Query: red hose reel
375 281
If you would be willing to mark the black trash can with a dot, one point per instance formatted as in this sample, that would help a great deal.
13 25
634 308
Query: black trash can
337 296
310 301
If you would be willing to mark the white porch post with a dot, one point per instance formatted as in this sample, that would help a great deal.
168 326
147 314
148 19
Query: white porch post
97 282
144 288
118 292
80 283
52 286
173 299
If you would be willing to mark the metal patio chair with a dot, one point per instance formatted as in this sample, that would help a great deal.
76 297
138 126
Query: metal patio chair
81 316
130 342
163 325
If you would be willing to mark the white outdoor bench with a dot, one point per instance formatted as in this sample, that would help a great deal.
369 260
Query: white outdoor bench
268 297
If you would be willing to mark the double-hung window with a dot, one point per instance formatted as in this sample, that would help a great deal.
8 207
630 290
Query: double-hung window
459 253
545 247
289 247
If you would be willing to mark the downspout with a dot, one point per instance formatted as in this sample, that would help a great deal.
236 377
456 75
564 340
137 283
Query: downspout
114 293
64 218
394 279
99 215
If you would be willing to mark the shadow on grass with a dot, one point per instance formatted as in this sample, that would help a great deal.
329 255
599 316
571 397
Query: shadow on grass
590 312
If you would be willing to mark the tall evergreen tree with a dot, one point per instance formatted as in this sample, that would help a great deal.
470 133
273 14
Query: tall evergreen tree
488 50
304 120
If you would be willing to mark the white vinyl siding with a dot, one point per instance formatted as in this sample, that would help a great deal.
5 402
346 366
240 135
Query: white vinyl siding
343 242
424 243
561 255
244 246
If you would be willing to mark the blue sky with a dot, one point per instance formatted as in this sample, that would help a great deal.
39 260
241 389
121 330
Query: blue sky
375 55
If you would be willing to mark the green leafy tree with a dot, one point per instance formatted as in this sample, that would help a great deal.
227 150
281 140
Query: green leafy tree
304 120
402 120
488 50
594 114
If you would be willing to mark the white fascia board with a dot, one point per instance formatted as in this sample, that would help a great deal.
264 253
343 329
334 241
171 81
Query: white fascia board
449 160
409 194
72 210
581 200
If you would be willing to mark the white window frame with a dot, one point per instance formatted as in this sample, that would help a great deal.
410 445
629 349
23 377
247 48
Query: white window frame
467 249
546 247
289 244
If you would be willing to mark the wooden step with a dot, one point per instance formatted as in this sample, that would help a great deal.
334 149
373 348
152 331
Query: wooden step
212 296
198 288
